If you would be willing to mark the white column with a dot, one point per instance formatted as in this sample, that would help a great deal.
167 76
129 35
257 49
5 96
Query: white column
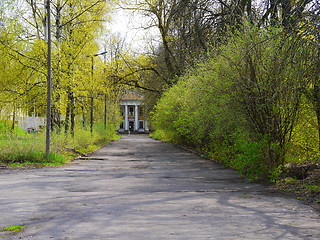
136 118
126 120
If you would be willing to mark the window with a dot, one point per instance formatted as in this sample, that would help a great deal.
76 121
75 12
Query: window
121 125
141 123
131 111
141 111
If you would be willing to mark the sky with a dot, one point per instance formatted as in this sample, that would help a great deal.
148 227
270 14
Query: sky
129 26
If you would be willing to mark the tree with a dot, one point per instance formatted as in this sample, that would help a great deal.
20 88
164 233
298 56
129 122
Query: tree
241 105
21 67
287 13
309 36
76 26
187 30
268 81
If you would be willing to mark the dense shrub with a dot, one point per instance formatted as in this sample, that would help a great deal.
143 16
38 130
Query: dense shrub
241 105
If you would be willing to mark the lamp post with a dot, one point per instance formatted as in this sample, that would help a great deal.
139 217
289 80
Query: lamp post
105 97
49 77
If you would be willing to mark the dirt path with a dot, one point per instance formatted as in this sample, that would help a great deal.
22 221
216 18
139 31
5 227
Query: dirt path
139 188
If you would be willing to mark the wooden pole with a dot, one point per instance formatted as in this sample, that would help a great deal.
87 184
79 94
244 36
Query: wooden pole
49 77
92 99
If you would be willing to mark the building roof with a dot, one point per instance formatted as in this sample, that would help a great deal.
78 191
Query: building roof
132 95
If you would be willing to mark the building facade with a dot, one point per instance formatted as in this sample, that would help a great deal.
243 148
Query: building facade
133 115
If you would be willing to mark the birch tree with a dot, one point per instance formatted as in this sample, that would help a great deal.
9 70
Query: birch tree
76 26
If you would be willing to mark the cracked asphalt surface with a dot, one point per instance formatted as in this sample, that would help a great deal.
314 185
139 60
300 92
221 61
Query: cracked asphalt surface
140 188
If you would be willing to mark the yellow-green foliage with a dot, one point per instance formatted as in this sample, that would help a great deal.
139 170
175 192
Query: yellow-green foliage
83 139
304 146
241 105
20 148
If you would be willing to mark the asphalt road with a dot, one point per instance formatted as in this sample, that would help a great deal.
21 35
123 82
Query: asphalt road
139 188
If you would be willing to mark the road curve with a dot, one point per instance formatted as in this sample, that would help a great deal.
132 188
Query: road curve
139 188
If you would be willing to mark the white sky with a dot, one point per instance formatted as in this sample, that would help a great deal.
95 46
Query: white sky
129 26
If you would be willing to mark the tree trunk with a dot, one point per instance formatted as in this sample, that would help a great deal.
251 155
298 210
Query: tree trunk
13 117
66 121
56 115
105 112
68 112
84 119
72 107
58 21
91 115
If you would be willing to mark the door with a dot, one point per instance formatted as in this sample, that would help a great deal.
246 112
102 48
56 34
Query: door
131 126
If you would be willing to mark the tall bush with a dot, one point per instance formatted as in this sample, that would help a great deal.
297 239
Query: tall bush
241 105
267 77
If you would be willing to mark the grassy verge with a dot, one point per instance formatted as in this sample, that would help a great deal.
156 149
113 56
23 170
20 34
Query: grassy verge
19 149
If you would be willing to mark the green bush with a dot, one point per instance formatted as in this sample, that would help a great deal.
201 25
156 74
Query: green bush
6 131
250 160
240 106
304 146
83 139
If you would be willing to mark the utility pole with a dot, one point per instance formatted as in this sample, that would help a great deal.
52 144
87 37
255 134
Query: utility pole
92 97
49 77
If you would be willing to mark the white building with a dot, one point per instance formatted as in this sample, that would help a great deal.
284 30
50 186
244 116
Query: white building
133 113
31 123
22 120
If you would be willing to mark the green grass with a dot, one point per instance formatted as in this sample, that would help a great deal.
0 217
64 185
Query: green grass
18 148
54 160
14 228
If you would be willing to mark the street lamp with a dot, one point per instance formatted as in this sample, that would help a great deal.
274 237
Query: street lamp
102 53
105 96
92 97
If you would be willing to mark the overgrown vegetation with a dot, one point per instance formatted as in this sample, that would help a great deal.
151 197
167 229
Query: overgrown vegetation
245 105
85 87
244 84
238 80
19 148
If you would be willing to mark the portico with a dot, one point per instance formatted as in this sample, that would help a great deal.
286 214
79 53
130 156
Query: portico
133 113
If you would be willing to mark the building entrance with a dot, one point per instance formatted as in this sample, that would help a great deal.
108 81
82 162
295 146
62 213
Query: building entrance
132 113
131 126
